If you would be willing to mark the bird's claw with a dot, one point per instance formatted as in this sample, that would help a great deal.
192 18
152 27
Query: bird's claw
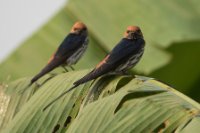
72 68
65 69
37 85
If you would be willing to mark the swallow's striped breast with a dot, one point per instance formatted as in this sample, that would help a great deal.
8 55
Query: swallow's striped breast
132 61
78 54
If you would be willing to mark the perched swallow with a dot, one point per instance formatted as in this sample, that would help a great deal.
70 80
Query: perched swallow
125 55
69 51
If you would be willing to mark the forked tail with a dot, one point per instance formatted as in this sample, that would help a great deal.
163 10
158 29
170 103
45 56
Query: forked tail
49 67
48 105
26 88
35 78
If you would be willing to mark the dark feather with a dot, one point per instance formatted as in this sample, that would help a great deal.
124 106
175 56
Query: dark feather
70 44
124 50
49 67
66 49
119 55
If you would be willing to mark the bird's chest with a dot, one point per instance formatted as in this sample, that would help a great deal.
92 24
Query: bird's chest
76 55
132 61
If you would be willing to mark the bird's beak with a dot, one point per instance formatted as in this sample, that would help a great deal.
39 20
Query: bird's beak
131 35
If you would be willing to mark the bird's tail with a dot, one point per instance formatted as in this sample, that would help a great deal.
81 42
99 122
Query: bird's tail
54 100
39 75
44 71
90 76
33 80
25 88
49 67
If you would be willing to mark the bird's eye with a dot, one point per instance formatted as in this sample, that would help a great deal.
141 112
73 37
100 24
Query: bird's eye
75 29
128 31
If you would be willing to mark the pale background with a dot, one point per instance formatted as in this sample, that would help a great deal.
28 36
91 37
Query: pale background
20 18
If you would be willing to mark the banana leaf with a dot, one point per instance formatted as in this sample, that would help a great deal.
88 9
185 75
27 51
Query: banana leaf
108 104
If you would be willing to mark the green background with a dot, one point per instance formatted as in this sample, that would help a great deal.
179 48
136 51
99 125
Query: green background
171 30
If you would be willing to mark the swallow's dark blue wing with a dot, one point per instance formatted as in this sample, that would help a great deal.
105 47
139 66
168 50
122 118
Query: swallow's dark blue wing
70 44
120 54
124 49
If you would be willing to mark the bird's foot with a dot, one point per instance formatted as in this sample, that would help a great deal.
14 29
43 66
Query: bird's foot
124 73
65 69
52 74
72 68
37 85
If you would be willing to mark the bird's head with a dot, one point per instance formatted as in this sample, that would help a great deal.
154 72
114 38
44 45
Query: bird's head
79 28
133 32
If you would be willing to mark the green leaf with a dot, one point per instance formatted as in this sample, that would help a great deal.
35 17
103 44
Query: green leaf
32 118
191 126
110 104
183 64
140 106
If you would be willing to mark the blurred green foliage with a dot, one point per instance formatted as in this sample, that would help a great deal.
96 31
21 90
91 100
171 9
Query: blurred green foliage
171 30
117 104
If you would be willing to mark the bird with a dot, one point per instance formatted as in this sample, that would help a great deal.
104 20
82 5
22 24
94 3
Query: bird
124 56
69 52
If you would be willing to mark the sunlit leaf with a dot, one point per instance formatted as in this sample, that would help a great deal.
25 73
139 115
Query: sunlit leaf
109 104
